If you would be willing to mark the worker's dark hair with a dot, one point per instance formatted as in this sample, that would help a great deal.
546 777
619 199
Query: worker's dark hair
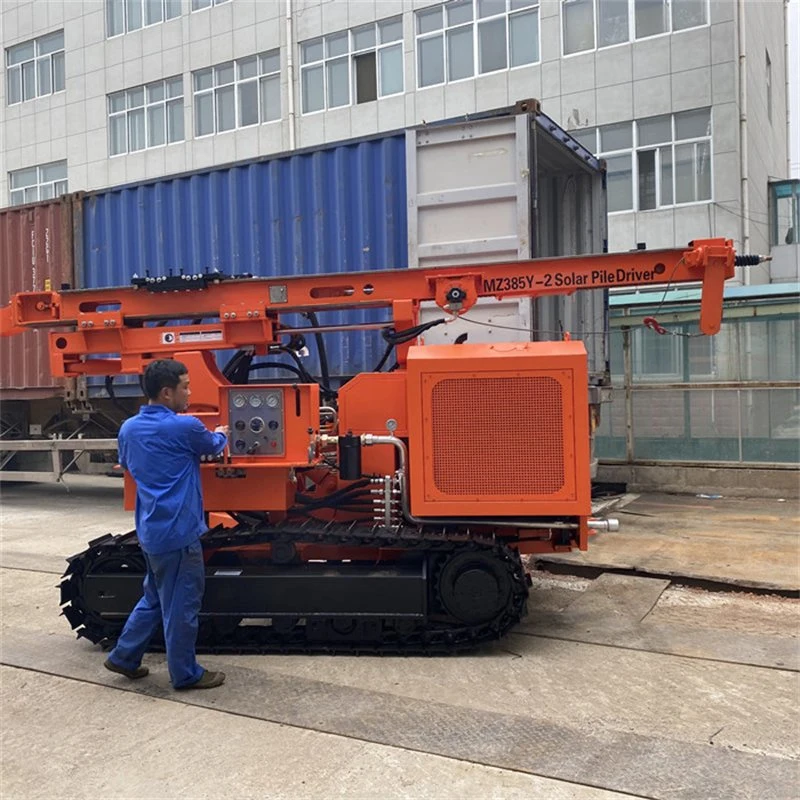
161 373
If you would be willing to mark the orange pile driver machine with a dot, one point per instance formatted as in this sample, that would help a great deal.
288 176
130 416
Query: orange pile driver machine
386 516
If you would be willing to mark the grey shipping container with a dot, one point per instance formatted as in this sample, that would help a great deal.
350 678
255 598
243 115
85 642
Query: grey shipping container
503 186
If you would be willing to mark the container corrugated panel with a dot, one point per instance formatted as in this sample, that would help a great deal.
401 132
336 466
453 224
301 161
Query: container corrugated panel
36 254
570 219
509 185
338 209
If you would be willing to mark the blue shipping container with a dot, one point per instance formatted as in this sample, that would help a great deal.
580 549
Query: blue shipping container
338 209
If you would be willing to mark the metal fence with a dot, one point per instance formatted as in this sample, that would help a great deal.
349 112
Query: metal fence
728 399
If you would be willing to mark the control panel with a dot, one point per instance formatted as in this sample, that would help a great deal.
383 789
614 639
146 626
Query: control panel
256 417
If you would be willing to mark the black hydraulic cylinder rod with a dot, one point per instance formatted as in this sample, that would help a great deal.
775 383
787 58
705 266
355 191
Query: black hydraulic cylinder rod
349 457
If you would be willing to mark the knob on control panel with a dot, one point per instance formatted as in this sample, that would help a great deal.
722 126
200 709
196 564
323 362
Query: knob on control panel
256 414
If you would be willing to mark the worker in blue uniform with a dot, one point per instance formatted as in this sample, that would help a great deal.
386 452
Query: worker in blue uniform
161 448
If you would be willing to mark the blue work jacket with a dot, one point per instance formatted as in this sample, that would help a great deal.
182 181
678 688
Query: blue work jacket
161 450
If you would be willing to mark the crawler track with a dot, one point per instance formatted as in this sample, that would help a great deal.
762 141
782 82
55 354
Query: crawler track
475 590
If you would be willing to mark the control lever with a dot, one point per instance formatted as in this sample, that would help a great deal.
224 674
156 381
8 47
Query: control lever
225 455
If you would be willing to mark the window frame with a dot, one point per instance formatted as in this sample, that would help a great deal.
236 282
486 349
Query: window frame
644 358
693 140
36 59
562 28
634 173
351 55
165 102
784 206
532 7
683 353
165 6
769 86
211 4
636 148
632 37
39 183
238 81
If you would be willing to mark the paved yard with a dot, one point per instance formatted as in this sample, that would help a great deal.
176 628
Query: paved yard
617 686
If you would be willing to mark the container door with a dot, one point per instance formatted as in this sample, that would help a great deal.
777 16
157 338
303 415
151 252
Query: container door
469 202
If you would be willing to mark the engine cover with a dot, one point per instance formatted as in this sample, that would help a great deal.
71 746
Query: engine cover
499 430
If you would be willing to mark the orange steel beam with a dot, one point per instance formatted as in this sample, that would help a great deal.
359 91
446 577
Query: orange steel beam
245 310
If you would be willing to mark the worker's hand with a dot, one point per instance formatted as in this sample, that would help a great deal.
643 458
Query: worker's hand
223 429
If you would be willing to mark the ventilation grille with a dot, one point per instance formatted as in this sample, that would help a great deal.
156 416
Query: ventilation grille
498 436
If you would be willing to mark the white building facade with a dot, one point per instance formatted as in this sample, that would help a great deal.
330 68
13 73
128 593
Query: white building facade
685 99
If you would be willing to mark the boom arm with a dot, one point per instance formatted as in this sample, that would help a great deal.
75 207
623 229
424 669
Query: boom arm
245 311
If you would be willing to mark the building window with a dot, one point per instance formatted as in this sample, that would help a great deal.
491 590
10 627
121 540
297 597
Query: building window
237 94
656 162
463 38
668 16
123 16
692 156
35 68
355 66
145 116
577 17
769 88
198 5
652 17
687 357
784 212
590 24
657 358
37 183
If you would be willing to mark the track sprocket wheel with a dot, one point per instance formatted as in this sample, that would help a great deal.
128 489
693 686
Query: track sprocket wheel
474 587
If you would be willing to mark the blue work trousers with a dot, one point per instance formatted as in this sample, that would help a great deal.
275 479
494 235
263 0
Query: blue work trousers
173 593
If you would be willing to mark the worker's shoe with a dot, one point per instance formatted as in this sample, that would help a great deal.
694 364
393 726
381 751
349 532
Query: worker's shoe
209 680
133 674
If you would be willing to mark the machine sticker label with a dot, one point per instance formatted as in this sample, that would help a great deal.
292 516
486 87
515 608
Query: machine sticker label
521 283
169 337
200 336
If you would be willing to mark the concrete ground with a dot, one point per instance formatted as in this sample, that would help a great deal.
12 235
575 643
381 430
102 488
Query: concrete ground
619 686
740 542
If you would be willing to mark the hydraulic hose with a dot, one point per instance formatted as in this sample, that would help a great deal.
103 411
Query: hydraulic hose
275 365
322 353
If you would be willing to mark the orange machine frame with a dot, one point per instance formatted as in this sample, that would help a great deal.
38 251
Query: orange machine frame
245 313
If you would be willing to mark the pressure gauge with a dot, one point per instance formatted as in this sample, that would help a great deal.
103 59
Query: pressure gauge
239 400
256 400
272 400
